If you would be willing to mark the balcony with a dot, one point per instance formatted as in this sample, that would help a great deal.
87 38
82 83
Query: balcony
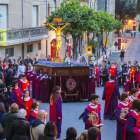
18 36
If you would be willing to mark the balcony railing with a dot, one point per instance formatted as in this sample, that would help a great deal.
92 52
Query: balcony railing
17 36
26 33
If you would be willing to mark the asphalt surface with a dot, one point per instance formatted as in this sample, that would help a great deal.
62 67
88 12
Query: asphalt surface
72 110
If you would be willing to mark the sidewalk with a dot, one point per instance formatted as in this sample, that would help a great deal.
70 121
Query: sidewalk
114 54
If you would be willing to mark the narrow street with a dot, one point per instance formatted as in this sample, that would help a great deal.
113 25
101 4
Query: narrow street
72 111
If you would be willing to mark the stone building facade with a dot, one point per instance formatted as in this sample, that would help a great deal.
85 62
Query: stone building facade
26 34
21 31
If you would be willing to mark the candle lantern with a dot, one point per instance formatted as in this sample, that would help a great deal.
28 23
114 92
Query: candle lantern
52 52
69 50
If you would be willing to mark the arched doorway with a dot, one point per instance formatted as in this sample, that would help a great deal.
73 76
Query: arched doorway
54 42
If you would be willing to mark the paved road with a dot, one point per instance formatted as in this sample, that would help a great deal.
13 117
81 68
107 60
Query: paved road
133 51
72 111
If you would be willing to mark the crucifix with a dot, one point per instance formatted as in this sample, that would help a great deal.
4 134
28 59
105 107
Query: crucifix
58 31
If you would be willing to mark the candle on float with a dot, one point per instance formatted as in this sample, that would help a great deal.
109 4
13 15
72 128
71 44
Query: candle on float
69 50
52 52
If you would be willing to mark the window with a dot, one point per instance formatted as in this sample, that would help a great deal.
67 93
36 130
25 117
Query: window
3 12
9 51
29 48
48 9
35 16
39 46
105 5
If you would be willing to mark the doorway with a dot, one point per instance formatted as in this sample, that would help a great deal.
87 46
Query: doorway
134 28
54 42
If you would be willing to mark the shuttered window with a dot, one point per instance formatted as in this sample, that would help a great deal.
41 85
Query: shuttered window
3 12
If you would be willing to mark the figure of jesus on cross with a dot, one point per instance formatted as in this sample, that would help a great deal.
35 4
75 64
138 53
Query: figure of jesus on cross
58 30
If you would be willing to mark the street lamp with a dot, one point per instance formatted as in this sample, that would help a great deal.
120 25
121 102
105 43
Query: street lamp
0 20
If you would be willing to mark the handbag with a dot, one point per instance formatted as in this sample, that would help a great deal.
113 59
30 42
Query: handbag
32 133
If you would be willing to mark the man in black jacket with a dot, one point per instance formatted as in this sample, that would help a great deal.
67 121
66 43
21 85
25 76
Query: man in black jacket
3 96
7 59
28 60
20 128
9 77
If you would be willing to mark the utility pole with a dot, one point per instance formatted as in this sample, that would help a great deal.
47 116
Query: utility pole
22 15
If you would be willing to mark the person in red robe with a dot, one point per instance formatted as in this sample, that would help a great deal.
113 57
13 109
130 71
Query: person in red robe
133 76
33 79
17 93
26 103
138 87
113 71
34 112
128 84
111 95
24 83
120 113
133 95
137 81
56 109
45 82
93 108
132 130
28 73
97 75
38 82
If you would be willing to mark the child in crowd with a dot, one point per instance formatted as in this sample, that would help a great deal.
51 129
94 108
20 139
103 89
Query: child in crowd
17 93
71 133
134 95
132 125
26 103
93 108
83 136
56 109
123 106
34 112
138 87
93 133
128 85
24 83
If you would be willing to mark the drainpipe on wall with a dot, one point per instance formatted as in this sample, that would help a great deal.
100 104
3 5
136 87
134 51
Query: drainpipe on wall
46 20
22 15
